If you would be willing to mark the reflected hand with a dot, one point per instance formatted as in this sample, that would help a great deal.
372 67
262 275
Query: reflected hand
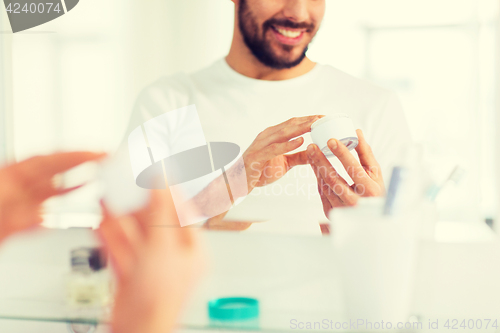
156 263
366 174
27 184
265 159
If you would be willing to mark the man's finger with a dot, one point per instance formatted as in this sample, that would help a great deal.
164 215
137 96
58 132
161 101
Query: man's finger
121 259
327 205
325 229
328 199
287 133
366 156
326 171
36 174
322 166
145 217
63 191
118 245
291 122
50 165
351 165
278 149
43 190
299 158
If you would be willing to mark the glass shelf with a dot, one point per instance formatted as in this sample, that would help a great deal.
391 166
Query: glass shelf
195 319
51 311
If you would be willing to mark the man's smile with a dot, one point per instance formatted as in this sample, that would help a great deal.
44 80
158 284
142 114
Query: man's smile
288 36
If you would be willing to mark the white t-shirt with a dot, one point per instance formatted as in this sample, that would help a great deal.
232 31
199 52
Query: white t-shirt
235 108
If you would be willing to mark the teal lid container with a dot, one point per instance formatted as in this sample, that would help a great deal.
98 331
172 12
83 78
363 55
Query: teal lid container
233 308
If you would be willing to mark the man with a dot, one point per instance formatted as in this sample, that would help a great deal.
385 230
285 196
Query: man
25 186
247 98
149 262
156 268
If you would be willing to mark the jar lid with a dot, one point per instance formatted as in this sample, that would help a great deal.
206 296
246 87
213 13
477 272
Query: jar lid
233 308
328 118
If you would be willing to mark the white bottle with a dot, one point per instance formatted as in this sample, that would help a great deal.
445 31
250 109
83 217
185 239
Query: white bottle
89 283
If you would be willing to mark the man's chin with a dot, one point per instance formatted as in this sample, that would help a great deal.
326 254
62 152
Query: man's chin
278 56
289 62
293 55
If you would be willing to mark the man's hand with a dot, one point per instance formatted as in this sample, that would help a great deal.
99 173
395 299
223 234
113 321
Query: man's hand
156 263
334 190
26 185
265 159
264 162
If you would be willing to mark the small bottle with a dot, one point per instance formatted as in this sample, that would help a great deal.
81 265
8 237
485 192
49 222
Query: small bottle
89 283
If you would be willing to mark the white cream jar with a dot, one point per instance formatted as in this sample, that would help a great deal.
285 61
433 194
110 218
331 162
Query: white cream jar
338 126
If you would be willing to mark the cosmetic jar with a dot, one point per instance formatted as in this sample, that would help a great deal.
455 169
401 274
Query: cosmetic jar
338 126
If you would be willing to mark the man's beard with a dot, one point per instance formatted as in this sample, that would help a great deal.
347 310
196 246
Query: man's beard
259 46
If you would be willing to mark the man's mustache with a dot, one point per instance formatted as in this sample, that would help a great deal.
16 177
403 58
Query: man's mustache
288 24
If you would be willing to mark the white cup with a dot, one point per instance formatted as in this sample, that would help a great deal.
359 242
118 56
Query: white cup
376 256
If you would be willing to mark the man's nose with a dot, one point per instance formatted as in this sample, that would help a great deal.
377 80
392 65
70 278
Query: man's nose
296 10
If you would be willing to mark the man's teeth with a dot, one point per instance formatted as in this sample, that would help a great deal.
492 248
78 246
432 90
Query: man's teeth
289 33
